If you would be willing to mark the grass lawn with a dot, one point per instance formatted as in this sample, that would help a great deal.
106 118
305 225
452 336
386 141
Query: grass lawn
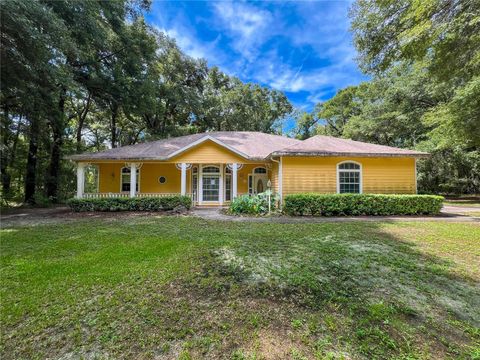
182 287
464 203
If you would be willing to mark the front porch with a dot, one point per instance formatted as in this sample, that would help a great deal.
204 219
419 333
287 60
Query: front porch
208 184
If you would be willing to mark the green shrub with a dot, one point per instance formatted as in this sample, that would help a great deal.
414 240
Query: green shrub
361 204
253 204
130 204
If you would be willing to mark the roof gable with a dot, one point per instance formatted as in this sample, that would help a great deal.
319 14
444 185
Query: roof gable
208 150
203 140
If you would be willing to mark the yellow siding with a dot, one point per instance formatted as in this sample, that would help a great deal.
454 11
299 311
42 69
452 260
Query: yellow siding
319 174
300 174
149 174
274 176
209 152
109 178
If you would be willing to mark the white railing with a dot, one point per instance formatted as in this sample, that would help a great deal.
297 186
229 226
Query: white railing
156 194
105 195
126 195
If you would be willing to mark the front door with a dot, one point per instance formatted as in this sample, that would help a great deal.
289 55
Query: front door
210 183
259 183
211 187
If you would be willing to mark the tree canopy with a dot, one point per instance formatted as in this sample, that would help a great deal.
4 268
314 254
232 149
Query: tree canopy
83 76
424 92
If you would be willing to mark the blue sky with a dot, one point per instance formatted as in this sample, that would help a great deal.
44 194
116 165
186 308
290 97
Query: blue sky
302 48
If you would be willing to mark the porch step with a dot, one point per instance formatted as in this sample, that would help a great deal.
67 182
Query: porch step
209 206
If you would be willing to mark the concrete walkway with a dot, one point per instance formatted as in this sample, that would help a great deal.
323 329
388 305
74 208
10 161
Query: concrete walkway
449 215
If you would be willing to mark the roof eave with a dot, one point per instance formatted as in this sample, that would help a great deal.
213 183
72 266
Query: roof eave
343 154
88 158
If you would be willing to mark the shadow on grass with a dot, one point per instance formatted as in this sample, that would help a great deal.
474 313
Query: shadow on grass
192 288
394 298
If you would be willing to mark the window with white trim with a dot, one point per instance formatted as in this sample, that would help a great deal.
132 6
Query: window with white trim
210 183
349 178
195 183
228 184
126 179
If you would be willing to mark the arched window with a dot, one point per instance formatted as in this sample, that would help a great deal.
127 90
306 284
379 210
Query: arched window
211 169
125 178
260 170
349 177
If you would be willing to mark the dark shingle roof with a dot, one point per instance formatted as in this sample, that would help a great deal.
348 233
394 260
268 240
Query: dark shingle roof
251 145
321 145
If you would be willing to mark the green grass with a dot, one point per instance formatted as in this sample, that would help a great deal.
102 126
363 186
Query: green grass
181 287
463 203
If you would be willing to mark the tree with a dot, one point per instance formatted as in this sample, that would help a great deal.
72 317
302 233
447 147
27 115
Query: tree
425 89
337 111
81 75
230 105
174 86
439 36
306 125
444 33
46 41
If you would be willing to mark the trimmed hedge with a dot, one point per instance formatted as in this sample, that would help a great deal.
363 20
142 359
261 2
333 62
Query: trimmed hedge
361 204
130 204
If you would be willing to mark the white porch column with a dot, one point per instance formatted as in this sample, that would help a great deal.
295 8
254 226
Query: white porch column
280 181
80 179
133 179
234 181
183 184
200 184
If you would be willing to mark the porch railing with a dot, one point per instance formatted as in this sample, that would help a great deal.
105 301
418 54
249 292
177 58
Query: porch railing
126 195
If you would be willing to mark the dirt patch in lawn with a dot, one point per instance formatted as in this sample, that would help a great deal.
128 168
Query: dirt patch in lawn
53 215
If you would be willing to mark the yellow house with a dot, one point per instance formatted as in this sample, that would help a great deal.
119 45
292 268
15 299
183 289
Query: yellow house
214 168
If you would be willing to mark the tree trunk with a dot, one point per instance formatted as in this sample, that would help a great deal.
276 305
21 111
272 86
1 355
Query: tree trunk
6 177
58 127
31 172
81 122
113 124
4 154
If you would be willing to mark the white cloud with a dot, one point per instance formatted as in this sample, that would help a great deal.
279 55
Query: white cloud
321 96
191 46
247 26
248 35
281 76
